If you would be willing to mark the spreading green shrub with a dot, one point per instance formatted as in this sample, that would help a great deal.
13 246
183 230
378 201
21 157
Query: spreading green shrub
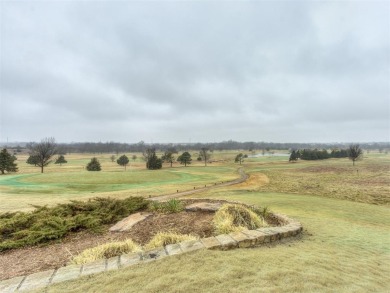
45 224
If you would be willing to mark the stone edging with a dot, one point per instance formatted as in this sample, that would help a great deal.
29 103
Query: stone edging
243 239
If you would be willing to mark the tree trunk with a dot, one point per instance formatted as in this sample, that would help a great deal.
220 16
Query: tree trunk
41 169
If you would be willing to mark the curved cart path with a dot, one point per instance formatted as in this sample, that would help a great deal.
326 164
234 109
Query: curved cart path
243 177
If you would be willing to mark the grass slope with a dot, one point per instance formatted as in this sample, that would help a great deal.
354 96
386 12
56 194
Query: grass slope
345 248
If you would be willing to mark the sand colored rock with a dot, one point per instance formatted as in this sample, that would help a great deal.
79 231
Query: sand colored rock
129 222
204 206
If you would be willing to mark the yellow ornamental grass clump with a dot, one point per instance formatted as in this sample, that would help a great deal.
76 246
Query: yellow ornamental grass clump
106 251
232 217
165 238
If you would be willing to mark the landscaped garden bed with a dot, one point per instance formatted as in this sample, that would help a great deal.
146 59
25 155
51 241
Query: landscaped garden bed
98 216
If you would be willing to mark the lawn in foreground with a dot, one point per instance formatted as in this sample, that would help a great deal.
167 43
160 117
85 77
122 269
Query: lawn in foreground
345 247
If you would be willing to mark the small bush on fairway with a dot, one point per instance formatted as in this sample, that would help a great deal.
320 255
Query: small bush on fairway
45 224
106 250
94 165
165 238
233 217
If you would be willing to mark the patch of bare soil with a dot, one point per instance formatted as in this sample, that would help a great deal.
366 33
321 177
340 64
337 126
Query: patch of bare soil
29 260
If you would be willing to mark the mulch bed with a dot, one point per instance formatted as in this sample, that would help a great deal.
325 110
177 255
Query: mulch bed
29 260
23 261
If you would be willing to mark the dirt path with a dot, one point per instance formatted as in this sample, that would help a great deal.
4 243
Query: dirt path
243 178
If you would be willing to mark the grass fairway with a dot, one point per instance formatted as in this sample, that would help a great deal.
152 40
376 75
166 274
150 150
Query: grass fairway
71 181
345 248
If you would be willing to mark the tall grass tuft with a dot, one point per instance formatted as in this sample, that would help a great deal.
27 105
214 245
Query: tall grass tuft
106 250
170 206
165 238
232 217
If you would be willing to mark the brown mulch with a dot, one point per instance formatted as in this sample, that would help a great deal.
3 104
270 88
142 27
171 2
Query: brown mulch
29 260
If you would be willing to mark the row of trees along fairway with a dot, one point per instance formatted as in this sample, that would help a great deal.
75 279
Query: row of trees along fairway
354 153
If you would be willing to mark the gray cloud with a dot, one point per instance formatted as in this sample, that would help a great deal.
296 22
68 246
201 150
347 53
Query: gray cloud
205 71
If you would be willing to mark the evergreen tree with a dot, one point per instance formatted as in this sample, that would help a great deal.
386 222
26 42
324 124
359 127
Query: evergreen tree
293 156
152 162
112 158
32 160
7 162
185 158
123 161
94 165
61 160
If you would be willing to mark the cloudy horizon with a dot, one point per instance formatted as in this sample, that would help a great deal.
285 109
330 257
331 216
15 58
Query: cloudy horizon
195 71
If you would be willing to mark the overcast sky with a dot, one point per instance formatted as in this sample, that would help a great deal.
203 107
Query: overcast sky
201 71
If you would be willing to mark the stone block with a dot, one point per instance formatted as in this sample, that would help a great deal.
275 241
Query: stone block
66 273
284 231
226 241
272 235
112 263
94 267
211 243
191 245
258 236
173 249
10 285
129 259
154 254
36 281
243 240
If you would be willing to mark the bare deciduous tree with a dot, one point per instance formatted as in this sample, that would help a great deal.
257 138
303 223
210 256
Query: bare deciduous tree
44 151
204 155
355 153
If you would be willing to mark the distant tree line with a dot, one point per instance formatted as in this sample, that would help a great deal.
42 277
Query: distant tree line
115 147
315 154
354 153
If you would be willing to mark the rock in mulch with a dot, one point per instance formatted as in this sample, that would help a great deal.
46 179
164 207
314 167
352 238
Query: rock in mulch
204 207
130 221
